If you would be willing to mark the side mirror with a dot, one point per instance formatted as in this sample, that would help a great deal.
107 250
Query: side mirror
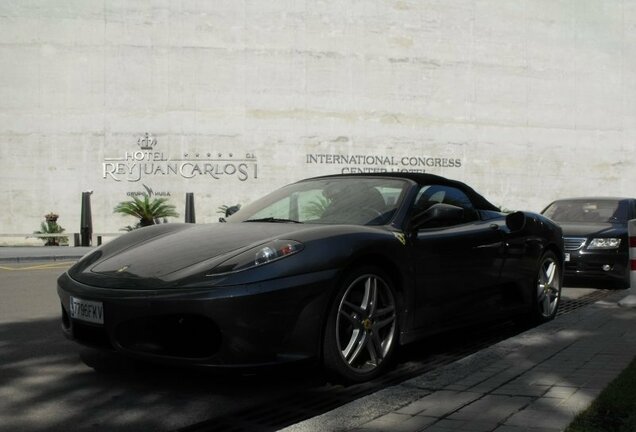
516 221
438 212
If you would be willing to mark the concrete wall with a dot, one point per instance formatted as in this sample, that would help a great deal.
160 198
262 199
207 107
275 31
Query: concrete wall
526 100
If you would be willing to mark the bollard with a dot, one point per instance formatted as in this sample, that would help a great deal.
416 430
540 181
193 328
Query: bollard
189 208
76 239
630 300
86 222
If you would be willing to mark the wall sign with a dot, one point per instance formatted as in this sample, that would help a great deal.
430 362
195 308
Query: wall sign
149 192
363 163
147 161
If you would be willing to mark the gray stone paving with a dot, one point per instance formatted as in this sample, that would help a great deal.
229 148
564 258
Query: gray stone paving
535 382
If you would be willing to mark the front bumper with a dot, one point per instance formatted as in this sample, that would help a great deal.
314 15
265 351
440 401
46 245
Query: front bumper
247 325
591 268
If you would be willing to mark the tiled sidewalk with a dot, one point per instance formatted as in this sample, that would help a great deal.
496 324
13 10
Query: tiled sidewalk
536 382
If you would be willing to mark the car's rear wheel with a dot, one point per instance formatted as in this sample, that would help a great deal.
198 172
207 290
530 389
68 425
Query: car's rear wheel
361 329
548 288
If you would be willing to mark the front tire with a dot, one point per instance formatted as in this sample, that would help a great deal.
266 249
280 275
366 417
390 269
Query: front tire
547 288
362 328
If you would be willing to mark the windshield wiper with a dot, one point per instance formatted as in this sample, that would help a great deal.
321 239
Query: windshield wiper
273 219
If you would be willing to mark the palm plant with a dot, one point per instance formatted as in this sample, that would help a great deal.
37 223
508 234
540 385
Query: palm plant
317 207
228 210
146 210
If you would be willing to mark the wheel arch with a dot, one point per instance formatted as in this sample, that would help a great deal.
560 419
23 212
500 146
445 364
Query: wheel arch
391 268
377 260
552 247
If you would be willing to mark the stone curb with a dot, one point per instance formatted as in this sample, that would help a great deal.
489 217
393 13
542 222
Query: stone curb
10 254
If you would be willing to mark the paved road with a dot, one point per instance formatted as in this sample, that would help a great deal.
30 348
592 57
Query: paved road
46 384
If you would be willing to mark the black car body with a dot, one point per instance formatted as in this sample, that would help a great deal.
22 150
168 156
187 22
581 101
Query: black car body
595 239
339 268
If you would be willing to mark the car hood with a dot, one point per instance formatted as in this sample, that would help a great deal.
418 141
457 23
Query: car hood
161 253
592 230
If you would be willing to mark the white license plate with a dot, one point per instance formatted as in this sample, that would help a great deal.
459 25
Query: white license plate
86 310
567 257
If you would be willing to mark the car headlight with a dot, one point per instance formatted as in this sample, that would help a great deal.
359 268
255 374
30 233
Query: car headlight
258 256
604 243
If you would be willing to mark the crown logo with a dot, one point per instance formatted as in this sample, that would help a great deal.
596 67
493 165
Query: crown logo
147 142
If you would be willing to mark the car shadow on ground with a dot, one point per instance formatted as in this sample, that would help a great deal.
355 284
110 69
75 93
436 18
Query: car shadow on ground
50 383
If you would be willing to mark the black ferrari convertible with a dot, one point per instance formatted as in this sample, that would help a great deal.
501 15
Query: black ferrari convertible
339 268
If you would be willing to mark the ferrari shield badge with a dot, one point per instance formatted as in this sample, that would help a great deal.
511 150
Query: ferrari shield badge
400 237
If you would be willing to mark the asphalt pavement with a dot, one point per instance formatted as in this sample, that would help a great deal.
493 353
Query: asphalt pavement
537 381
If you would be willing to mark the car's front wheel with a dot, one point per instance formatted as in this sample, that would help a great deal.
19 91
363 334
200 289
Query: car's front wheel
548 288
361 329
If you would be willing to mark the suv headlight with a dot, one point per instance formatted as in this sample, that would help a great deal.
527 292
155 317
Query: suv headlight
257 256
604 243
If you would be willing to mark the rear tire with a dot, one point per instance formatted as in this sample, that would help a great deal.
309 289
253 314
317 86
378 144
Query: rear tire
362 327
548 285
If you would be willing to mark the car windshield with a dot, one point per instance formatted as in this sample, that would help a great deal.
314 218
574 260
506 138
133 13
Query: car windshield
344 200
588 211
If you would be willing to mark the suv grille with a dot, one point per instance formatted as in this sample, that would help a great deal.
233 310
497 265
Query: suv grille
574 243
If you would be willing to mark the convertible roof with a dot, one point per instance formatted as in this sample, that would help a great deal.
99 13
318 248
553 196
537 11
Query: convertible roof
427 179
